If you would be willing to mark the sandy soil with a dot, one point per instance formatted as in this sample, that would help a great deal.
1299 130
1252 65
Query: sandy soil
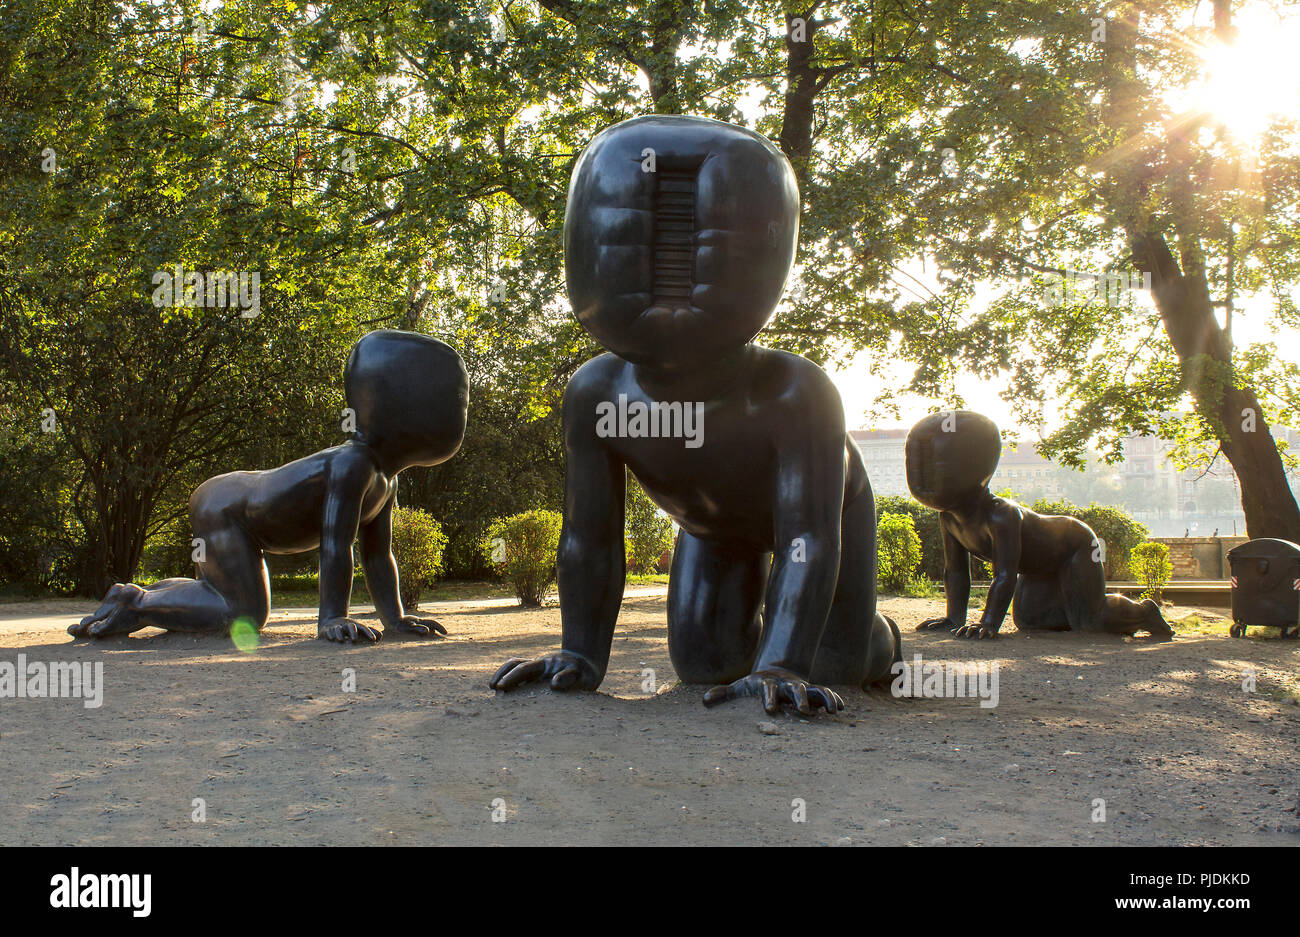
418 753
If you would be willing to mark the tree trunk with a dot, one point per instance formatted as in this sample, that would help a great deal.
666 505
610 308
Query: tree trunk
1183 301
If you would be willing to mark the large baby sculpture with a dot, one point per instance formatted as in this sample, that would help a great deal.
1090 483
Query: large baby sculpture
409 394
679 236
1050 565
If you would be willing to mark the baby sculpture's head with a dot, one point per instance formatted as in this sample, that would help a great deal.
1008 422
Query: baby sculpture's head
410 394
951 456
678 238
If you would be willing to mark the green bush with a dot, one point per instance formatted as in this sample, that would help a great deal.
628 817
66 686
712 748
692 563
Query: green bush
418 545
1119 532
1150 562
926 522
648 532
899 552
522 547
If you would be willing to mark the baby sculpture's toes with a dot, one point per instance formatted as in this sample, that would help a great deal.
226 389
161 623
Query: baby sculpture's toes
113 613
347 631
976 631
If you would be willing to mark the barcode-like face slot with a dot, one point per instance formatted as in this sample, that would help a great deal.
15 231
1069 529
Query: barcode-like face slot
923 466
674 237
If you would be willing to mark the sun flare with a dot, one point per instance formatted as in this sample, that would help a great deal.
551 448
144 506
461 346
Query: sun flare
1248 83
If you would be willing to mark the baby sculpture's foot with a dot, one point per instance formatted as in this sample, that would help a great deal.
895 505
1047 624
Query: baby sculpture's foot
937 624
1158 628
116 615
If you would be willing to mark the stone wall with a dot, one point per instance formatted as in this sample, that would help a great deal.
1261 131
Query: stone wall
1199 557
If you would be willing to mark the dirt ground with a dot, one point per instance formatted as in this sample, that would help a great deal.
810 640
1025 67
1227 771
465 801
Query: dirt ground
280 754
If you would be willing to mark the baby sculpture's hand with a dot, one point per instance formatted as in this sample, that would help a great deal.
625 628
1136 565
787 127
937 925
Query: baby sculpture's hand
416 626
778 687
979 629
346 630
565 670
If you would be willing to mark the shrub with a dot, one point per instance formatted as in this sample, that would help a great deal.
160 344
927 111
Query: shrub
926 522
899 552
522 547
649 532
1150 562
418 545
1119 532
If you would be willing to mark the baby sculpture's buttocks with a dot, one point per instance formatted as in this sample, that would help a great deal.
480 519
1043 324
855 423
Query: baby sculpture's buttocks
679 235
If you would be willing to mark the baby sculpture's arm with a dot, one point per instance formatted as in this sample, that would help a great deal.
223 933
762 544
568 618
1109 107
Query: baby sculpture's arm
350 474
956 583
382 578
1004 525
590 566
809 493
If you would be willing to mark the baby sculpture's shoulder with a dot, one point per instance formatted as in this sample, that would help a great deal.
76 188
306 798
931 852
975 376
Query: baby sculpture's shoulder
596 382
792 385
1005 513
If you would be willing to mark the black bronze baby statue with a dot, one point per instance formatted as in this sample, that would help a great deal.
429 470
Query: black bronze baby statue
679 236
409 394
1051 565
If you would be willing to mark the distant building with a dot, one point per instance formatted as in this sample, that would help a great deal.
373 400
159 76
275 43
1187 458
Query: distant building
882 451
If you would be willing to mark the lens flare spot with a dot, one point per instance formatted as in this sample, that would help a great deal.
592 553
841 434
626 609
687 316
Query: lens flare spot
244 633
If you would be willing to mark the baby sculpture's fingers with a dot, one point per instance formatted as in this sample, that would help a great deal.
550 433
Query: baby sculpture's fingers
517 671
826 698
421 627
347 631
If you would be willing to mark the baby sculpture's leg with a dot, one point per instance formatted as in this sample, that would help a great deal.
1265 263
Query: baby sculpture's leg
1091 609
860 645
1039 603
232 584
715 594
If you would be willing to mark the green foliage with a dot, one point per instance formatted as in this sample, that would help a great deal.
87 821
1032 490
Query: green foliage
523 548
649 533
1116 529
926 523
899 555
1150 562
418 544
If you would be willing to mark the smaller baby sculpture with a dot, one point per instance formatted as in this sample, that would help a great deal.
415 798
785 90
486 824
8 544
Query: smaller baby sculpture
1051 565
410 395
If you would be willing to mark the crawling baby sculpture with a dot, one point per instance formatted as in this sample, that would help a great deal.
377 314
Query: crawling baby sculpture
679 236
410 396
1051 564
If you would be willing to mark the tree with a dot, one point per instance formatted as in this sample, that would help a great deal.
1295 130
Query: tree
1067 155
649 531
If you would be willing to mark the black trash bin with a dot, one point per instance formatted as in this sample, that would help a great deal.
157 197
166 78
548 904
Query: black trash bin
1265 585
